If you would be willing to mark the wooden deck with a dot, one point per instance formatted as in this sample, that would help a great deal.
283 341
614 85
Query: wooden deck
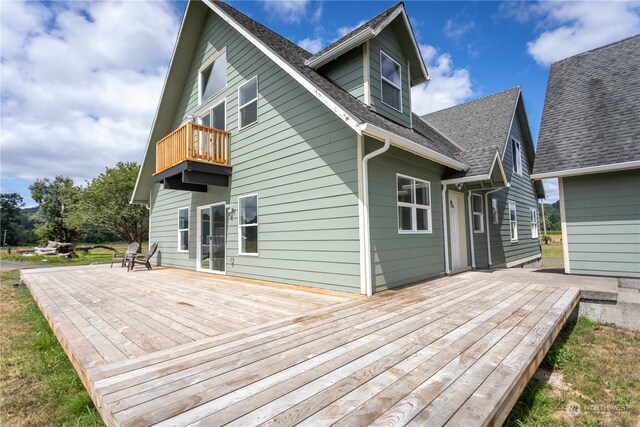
171 347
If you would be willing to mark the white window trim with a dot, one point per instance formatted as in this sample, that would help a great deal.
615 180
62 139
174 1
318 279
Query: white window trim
414 206
204 67
240 107
180 230
209 110
517 162
240 226
390 82
480 214
536 221
494 210
515 208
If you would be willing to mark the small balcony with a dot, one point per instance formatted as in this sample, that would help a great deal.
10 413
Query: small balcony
192 157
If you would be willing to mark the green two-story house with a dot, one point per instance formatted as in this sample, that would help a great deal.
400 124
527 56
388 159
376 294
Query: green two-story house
267 162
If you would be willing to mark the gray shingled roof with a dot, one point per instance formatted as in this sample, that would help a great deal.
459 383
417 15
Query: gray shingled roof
591 111
480 127
372 24
296 57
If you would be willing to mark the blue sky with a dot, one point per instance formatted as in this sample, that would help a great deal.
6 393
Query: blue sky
80 81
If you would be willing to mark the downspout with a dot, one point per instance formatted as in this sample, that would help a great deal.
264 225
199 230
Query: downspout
486 205
445 225
367 229
473 251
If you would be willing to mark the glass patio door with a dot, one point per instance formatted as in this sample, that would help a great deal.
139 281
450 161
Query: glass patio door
212 238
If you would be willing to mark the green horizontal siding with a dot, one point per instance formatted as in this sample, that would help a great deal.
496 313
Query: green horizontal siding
347 72
397 258
603 223
299 158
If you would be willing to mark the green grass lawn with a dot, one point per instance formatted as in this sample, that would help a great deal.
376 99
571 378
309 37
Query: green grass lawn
552 250
95 256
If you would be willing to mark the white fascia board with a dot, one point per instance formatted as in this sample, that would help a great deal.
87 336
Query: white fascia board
589 170
336 51
423 67
340 111
133 199
497 160
465 179
413 147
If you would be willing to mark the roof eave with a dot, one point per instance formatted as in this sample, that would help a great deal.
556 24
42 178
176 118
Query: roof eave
411 146
588 170
486 177
340 49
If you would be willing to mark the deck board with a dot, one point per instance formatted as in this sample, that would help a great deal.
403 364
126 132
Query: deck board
172 347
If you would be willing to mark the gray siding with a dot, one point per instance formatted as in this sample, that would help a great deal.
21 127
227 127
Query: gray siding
299 158
347 72
522 192
603 223
387 40
397 258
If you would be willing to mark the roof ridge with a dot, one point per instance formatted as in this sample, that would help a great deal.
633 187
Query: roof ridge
474 100
608 45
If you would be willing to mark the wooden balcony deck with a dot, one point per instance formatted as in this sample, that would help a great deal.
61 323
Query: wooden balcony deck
172 347
194 142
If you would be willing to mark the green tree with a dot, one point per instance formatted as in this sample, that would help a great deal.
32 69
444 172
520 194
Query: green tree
10 205
105 202
57 199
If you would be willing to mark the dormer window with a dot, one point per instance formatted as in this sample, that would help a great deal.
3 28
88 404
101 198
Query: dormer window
213 77
390 72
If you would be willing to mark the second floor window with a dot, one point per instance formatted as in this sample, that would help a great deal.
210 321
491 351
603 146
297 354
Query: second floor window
390 81
516 152
215 118
248 103
213 77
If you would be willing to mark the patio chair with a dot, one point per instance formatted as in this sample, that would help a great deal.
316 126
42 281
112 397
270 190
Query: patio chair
143 259
125 257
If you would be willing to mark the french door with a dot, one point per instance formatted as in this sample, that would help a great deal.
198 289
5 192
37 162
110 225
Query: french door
212 233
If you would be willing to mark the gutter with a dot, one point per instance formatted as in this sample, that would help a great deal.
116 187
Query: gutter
345 46
589 170
408 145
367 229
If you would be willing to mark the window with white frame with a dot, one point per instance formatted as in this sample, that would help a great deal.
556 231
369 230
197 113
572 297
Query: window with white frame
391 82
414 205
494 210
248 103
535 223
213 77
216 117
513 222
478 216
516 153
248 224
183 230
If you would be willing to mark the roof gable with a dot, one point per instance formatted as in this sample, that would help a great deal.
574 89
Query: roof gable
394 17
591 111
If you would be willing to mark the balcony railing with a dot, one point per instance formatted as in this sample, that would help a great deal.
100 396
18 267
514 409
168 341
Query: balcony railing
195 142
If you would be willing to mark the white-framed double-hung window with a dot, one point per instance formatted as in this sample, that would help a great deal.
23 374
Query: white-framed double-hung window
414 204
513 222
535 223
183 230
248 225
390 82
494 210
478 215
248 103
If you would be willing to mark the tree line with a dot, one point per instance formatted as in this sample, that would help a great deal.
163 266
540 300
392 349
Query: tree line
66 212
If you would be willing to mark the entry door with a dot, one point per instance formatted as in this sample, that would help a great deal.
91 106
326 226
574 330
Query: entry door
457 231
212 238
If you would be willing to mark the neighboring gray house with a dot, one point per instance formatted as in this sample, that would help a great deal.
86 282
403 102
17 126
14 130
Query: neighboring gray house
590 140
267 162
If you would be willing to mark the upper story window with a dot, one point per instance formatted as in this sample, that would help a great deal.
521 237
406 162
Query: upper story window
248 103
390 73
213 77
478 216
216 117
414 205
516 152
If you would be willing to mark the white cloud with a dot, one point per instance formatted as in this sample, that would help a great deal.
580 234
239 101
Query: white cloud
551 190
449 86
569 28
312 45
456 29
293 11
80 84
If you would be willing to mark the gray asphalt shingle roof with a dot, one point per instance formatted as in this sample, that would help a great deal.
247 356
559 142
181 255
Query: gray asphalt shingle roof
591 111
296 56
480 127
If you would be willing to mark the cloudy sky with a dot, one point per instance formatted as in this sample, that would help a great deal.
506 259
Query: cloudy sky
80 81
